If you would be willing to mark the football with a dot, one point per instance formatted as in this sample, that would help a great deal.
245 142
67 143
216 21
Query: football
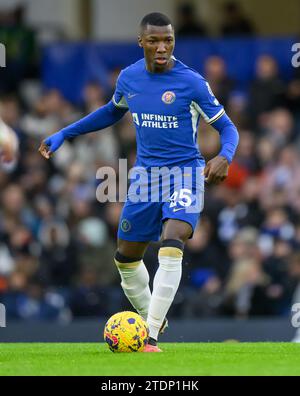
126 332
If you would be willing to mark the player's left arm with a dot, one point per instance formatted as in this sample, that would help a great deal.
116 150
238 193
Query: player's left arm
214 114
216 169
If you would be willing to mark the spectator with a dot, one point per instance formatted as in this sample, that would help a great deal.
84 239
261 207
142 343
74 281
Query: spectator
284 177
246 155
9 145
276 266
27 300
246 290
94 96
250 195
202 253
245 245
88 298
237 109
267 90
206 300
294 272
59 256
293 98
235 23
279 127
21 49
216 75
187 24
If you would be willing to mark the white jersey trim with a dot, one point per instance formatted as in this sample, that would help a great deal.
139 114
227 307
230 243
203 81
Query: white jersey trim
122 103
205 116
195 115
217 116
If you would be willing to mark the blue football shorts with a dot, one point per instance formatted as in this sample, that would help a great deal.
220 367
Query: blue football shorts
154 198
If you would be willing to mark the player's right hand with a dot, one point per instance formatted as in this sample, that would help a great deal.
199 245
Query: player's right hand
51 144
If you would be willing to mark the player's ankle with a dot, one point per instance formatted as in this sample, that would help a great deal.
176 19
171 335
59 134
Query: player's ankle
152 341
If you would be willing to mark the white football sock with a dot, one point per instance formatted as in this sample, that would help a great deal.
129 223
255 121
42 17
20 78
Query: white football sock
135 283
165 285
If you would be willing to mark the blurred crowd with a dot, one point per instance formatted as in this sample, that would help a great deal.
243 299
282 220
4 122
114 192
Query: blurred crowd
57 241
233 21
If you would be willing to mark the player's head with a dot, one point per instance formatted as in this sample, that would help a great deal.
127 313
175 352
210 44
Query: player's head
158 40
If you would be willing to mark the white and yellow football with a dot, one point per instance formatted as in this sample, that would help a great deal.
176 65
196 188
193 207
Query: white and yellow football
126 332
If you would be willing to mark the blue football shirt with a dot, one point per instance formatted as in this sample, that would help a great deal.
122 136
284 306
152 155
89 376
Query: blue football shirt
166 110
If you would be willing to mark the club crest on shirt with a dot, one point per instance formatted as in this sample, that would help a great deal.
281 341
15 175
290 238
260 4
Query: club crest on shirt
125 225
168 97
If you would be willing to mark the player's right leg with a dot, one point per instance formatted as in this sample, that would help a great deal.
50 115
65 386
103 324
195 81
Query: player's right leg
139 224
135 277
134 274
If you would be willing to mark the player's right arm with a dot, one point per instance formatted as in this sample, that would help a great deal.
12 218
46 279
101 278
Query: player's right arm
102 118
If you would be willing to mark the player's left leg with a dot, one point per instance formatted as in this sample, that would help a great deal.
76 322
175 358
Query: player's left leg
168 275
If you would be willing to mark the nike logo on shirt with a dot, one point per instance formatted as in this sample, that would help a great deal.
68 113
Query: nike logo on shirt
131 95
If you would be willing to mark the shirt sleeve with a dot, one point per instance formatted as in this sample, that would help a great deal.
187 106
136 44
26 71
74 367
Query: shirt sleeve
119 98
206 103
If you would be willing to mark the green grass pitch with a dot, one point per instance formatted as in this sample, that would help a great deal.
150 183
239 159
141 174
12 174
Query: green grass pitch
177 359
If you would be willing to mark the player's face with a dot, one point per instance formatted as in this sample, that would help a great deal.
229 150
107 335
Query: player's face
158 43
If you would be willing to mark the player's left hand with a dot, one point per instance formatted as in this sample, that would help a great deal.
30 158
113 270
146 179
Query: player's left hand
216 170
